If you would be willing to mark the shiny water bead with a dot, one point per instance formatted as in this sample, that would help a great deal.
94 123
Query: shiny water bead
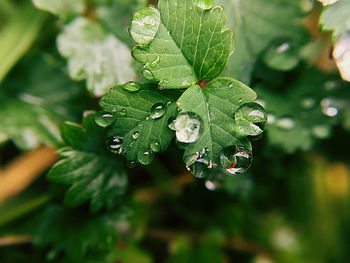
104 119
236 159
198 165
205 4
187 126
155 146
251 118
131 86
115 144
157 111
145 156
136 135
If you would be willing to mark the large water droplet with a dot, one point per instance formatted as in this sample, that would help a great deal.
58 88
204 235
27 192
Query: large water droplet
155 146
115 144
205 4
132 86
104 118
251 118
236 159
145 156
157 110
198 164
285 123
187 126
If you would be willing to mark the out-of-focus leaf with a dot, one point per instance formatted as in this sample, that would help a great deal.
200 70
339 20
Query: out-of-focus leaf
89 167
256 31
36 98
94 55
63 8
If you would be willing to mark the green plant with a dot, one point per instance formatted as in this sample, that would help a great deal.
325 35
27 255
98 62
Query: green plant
173 92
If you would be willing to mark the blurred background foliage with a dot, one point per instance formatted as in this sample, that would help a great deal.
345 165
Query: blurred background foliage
292 206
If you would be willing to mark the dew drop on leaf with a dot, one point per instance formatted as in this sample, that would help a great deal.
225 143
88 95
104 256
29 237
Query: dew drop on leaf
157 111
131 86
236 159
251 118
145 156
155 62
187 126
104 119
136 135
171 123
285 123
198 164
155 146
123 113
148 74
115 144
205 4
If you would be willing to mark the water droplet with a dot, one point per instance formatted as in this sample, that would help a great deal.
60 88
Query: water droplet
168 103
148 74
145 156
136 135
205 4
307 102
157 111
171 123
251 118
123 113
132 86
285 123
341 54
165 81
236 159
213 185
231 85
187 126
131 164
198 164
321 131
104 118
155 146
284 47
115 144
139 123
155 62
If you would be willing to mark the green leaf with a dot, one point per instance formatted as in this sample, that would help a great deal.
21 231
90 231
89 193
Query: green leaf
141 120
63 8
17 36
76 233
89 167
32 113
181 43
116 16
215 107
335 18
93 55
312 105
256 30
